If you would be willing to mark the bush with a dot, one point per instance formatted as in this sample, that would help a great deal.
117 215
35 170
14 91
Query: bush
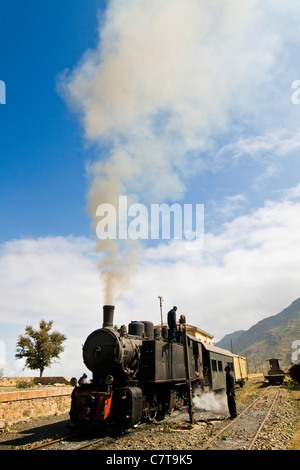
24 383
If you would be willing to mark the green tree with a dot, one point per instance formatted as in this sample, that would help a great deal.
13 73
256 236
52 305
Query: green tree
40 347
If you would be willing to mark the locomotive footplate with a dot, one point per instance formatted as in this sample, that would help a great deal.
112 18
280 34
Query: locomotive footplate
120 408
93 405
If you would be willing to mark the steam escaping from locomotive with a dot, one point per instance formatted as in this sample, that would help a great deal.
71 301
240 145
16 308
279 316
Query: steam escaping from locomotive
211 401
151 96
118 257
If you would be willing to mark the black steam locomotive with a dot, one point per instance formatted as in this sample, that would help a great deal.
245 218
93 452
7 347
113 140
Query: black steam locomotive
141 374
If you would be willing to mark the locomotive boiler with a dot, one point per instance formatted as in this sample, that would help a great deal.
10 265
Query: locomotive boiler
140 374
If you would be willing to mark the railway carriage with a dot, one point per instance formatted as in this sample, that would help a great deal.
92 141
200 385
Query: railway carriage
214 362
240 369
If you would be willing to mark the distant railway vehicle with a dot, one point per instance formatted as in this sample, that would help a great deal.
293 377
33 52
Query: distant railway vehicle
141 375
240 369
275 375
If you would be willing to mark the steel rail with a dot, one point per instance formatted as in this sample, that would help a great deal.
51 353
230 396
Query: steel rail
88 445
264 421
215 437
55 441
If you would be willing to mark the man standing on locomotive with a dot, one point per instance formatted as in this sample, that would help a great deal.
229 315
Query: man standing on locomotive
172 324
230 392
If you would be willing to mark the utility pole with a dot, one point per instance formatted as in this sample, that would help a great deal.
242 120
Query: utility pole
160 304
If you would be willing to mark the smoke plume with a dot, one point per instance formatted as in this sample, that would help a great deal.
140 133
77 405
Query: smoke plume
211 401
167 78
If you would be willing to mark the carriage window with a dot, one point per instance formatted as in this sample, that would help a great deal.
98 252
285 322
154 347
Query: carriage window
214 365
220 366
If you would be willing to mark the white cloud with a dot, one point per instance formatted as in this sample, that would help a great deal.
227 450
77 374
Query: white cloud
51 279
229 205
274 154
248 272
277 143
292 193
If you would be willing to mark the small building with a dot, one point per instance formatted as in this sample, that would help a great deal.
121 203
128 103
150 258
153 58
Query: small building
196 332
199 334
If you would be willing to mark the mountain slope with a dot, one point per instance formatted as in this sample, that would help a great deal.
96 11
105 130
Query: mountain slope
225 343
271 337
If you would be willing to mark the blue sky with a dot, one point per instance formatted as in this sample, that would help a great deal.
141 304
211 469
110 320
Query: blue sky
164 102
43 150
42 157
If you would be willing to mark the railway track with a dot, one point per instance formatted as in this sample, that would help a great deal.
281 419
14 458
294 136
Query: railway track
56 442
246 429
75 441
243 432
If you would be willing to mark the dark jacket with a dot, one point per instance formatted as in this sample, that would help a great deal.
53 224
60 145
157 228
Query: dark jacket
172 318
230 385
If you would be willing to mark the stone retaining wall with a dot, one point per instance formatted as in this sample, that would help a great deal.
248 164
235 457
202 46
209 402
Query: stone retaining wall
13 381
16 406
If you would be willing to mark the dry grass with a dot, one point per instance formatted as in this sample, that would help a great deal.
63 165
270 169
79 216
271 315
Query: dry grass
295 397
254 386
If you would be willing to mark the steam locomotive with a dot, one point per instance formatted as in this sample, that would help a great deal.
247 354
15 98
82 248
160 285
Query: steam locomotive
141 375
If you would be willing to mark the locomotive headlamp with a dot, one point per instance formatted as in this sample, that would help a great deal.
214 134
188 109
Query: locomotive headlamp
109 379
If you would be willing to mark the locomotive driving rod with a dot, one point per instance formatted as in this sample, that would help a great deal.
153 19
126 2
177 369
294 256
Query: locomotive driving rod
182 327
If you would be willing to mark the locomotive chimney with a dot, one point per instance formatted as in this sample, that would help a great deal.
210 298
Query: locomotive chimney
108 316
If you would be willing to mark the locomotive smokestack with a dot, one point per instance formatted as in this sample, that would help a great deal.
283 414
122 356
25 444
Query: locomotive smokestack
108 316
